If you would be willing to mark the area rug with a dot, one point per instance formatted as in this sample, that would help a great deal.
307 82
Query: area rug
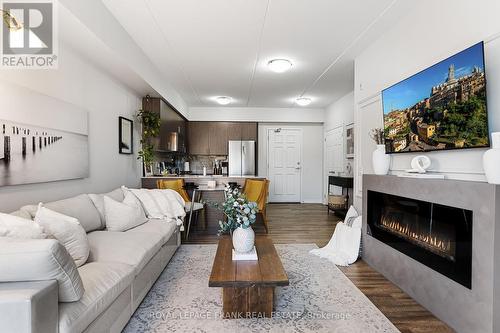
320 298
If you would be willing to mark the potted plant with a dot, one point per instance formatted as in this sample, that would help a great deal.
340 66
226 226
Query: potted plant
151 123
380 160
239 215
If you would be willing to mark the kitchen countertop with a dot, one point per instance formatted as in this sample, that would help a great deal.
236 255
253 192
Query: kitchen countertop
151 182
199 176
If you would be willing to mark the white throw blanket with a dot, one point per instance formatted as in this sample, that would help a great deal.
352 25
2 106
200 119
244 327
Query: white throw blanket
161 204
343 247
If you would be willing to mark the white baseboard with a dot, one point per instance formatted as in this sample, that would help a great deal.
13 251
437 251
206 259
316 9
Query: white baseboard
313 201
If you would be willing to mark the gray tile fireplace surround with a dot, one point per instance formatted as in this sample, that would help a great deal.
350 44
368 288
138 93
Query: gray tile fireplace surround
474 310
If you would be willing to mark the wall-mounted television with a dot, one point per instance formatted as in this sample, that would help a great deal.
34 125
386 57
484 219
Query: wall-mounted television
442 107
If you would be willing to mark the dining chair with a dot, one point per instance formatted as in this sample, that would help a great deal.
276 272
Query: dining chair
178 185
257 190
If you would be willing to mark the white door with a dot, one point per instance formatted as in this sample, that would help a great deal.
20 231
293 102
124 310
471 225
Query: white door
335 150
285 164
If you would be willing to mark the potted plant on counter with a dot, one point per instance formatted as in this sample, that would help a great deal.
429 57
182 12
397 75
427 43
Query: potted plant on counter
239 215
150 130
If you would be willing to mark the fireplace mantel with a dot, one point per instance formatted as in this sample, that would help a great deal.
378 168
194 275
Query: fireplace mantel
465 310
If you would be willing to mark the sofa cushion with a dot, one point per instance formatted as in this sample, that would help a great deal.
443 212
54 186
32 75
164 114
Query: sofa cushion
98 201
103 283
163 228
79 207
38 260
134 249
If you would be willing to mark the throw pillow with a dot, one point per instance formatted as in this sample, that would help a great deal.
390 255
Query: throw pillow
98 200
352 212
67 230
18 227
357 222
121 216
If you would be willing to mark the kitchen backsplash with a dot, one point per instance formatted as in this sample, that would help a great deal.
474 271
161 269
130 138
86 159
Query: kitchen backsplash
198 161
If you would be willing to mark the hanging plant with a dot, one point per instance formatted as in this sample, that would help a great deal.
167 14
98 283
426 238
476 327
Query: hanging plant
150 129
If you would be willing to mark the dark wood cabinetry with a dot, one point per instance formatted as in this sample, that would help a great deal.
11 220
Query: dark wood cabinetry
211 138
172 137
217 138
234 131
198 138
249 131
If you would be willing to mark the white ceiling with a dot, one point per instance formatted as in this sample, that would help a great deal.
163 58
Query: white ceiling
208 48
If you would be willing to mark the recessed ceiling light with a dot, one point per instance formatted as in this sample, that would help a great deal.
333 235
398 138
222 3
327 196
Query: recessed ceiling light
303 101
223 100
279 65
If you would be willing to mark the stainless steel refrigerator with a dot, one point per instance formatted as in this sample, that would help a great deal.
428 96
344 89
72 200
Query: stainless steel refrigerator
241 158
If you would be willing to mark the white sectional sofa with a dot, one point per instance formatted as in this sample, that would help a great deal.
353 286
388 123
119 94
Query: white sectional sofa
121 268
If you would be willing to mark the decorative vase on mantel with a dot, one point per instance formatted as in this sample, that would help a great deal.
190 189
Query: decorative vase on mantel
243 239
381 161
491 160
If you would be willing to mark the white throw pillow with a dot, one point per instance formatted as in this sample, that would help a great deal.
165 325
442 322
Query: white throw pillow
98 200
358 222
121 216
351 213
67 230
17 227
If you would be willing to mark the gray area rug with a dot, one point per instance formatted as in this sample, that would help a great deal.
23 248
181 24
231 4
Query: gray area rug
320 298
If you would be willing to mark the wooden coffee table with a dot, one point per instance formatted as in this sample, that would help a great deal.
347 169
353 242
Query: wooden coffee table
247 286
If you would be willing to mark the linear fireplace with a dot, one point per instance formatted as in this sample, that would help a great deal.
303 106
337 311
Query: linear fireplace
438 236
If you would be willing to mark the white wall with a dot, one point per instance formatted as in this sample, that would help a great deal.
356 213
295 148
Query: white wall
430 32
288 115
340 113
96 17
312 156
79 82
337 114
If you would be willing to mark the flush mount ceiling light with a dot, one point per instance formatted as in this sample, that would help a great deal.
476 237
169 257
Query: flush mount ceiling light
303 101
223 100
279 65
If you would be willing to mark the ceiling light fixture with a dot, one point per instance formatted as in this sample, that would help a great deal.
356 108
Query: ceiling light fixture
223 100
303 101
279 65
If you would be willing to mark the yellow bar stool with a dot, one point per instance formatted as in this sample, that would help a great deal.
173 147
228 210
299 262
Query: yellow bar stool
257 190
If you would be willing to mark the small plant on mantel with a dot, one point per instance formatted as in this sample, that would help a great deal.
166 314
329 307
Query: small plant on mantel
377 135
150 129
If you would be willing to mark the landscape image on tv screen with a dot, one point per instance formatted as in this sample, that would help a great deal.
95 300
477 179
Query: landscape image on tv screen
442 107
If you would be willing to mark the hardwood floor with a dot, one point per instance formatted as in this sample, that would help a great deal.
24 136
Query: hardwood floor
309 223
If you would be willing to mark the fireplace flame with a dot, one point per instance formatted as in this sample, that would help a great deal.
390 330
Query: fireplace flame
422 238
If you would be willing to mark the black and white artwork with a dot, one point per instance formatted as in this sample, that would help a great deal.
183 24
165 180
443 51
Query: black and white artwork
349 141
42 139
126 136
32 154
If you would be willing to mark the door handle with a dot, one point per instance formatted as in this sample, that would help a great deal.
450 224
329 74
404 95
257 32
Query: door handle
298 168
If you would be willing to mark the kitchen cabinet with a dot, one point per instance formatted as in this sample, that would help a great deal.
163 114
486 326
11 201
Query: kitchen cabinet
234 131
249 131
198 134
211 137
217 138
172 136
